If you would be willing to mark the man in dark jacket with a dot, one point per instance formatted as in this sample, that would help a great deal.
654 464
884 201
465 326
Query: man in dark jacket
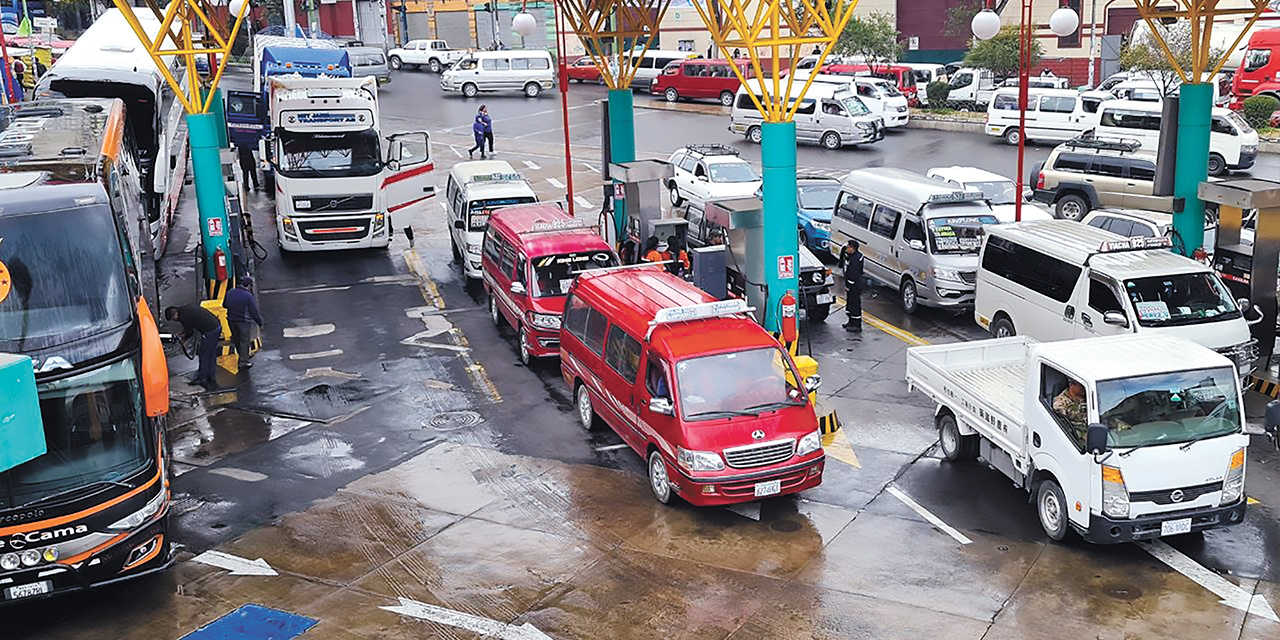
242 315
851 268
195 319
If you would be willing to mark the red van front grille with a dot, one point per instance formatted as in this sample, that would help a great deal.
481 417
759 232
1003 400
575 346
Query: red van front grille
760 455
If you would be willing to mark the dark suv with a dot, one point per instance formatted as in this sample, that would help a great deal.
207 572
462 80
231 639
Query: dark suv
1084 174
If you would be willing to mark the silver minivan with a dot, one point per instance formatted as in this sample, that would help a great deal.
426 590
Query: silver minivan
920 236
829 115
369 61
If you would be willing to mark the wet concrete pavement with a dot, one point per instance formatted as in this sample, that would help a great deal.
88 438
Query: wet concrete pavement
388 449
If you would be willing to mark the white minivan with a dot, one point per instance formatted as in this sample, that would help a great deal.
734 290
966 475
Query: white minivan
880 95
1052 114
476 188
1059 280
529 71
829 115
1233 144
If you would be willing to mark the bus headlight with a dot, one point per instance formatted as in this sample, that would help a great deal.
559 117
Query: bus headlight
1233 483
699 460
808 444
1115 497
141 516
10 561
30 557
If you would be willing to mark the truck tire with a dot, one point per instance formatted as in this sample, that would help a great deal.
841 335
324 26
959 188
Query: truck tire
396 63
908 296
1002 328
1072 207
470 90
819 313
955 447
1051 505
1217 165
434 66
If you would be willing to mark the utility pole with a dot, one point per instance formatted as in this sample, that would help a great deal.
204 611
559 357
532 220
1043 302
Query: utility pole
290 20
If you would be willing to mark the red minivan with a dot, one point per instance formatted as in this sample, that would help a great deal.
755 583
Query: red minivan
704 394
701 78
530 257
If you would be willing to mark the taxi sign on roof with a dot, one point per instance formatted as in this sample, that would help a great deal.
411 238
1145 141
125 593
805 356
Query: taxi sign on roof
497 177
717 309
557 225
955 196
1135 244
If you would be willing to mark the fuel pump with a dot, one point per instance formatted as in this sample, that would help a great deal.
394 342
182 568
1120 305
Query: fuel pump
1249 269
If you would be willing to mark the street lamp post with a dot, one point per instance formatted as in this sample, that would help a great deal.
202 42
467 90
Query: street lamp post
985 25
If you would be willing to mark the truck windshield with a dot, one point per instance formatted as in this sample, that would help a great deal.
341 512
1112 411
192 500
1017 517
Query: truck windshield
1255 59
1168 408
308 154
478 218
738 383
957 235
94 432
552 275
57 286
1185 298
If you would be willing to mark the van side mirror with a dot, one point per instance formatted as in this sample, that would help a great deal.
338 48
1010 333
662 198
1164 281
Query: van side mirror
662 406
1095 439
917 245
1115 318
813 382
702 178
457 224
517 289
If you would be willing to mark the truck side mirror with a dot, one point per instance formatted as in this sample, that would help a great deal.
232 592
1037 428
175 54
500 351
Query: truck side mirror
1115 318
393 154
1095 439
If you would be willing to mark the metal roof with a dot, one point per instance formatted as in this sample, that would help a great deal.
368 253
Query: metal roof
1075 242
1130 355
905 189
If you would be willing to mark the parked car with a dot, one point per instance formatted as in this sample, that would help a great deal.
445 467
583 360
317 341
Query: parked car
370 61
710 172
815 201
1001 192
829 115
1133 223
1086 173
701 78
436 55
526 70
584 69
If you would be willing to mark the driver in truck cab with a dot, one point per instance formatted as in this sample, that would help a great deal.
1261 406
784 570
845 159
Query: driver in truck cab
1070 405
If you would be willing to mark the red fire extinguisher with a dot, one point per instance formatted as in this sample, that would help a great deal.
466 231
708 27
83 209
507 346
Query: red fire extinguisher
220 264
789 331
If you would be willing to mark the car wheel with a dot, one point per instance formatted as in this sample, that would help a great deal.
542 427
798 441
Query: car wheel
1051 504
532 89
1012 136
1002 328
831 140
395 63
525 356
470 90
495 314
726 98
1217 165
586 413
676 200
659 481
434 66
754 135
955 447
671 94
1072 207
804 239
453 244
907 295
819 313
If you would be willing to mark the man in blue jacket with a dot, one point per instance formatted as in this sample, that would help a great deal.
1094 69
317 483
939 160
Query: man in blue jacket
242 315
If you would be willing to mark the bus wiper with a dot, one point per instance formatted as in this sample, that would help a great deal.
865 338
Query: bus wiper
722 413
59 494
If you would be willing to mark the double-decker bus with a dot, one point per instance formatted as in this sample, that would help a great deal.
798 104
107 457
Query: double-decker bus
76 248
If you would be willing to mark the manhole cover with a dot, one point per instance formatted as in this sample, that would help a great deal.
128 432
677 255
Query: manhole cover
452 420
1122 591
785 526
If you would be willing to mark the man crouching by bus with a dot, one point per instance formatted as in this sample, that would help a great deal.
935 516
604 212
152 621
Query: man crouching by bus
196 319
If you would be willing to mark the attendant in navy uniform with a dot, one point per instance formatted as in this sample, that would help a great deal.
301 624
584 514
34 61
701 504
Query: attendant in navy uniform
851 267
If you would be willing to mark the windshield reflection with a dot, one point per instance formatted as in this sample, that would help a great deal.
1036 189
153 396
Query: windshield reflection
330 155
1188 298
738 383
1169 408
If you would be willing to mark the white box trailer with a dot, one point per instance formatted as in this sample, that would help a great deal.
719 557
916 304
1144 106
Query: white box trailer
1149 444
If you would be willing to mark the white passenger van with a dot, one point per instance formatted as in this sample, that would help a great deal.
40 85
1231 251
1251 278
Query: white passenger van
1233 144
649 65
528 70
881 96
477 188
1059 279
829 115
920 236
1052 114
925 72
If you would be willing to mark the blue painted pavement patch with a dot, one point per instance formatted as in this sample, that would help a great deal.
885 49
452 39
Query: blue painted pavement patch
254 622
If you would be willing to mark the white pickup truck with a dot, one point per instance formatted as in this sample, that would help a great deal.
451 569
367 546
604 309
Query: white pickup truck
1120 438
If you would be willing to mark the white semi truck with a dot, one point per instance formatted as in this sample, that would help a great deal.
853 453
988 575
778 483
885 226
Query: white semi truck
337 181
1120 438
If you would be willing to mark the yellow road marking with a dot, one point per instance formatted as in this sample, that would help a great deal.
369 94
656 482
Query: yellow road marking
897 332
838 447
1252 501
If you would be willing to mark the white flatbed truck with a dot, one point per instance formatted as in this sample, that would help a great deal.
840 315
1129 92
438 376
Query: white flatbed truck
1162 451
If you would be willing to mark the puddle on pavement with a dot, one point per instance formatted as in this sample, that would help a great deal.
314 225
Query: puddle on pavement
1124 592
323 457
227 431
322 401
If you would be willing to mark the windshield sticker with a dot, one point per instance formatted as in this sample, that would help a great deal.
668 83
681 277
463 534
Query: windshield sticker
566 283
1156 310
948 242
5 284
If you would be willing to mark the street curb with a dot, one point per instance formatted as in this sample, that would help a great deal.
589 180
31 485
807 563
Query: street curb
685 107
959 126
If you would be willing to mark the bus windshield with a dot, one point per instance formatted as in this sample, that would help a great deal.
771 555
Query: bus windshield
309 154
94 432
59 281
739 383
553 274
1169 407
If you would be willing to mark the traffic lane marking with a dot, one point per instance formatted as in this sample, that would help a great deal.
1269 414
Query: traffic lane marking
924 513
317 354
309 331
837 447
889 328
1232 594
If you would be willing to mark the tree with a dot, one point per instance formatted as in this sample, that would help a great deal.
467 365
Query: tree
873 38
1000 54
1142 54
960 15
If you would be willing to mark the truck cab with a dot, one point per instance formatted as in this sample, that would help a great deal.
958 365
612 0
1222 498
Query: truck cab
1260 72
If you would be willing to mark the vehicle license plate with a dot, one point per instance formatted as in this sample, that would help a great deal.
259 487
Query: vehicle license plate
28 590
768 488
824 298
1174 527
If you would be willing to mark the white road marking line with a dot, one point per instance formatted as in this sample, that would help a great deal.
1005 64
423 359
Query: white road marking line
456 151
309 331
329 372
582 201
237 565
591 167
555 183
612 447
475 624
444 206
924 513
318 354
533 166
1232 595
239 474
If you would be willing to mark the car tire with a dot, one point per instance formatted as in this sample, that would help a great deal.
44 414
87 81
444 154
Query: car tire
434 66
1002 328
1012 136
671 94
495 314
396 63
908 296
831 141
587 418
1051 506
955 447
754 134
1071 207
470 90
819 313
1217 165
676 200
532 89
804 238
659 481
525 356
726 98
453 244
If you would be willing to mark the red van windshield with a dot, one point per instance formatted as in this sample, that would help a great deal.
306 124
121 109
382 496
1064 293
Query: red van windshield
739 383
553 274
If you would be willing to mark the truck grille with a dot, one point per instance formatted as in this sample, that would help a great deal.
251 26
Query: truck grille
342 202
1165 496
330 230
969 277
760 455
1244 355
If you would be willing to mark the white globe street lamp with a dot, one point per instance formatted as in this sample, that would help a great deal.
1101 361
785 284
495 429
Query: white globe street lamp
1064 22
985 25
524 24
236 5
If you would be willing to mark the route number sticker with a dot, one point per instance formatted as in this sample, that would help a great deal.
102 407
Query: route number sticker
215 227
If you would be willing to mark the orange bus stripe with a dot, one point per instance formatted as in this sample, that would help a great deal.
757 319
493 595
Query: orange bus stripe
32 526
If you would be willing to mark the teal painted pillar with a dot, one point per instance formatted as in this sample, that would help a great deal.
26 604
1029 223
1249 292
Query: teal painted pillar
219 110
781 246
1195 117
622 145
206 169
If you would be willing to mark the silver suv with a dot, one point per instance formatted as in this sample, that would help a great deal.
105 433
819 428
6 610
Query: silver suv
1086 173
